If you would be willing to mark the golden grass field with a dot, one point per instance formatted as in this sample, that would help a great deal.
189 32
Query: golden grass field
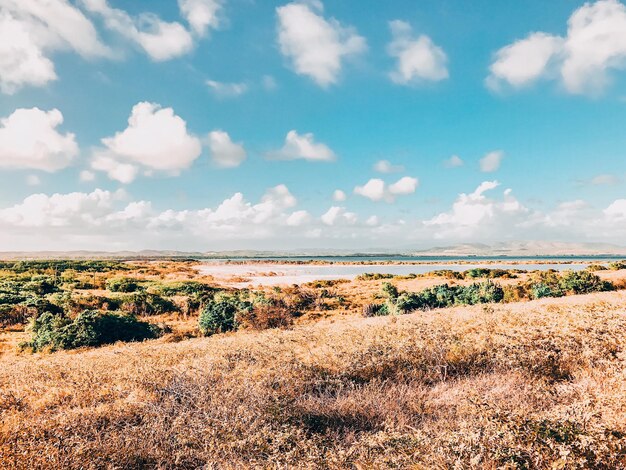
538 384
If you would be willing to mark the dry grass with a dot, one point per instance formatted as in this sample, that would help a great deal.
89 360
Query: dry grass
531 385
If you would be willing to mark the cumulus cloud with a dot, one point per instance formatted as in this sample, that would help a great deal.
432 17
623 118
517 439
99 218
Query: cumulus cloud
376 189
339 195
475 212
595 44
338 215
405 185
227 90
86 176
385 166
605 180
418 59
315 46
161 40
302 147
298 218
33 180
492 161
29 139
453 162
616 210
110 220
31 30
224 152
107 219
155 139
201 14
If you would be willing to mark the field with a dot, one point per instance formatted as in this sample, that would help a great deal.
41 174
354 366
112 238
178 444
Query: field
517 383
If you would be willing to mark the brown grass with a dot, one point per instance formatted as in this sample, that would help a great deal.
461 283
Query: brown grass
532 385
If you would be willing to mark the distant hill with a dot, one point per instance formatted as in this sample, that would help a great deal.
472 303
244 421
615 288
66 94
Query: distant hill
531 248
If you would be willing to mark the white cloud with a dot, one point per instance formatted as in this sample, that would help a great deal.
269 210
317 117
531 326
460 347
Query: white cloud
405 185
33 180
419 59
372 221
339 195
315 46
161 40
337 215
224 152
201 14
595 44
268 83
109 220
453 162
302 147
155 139
605 180
298 218
30 30
616 210
123 172
29 139
376 189
492 161
227 90
475 213
40 210
524 61
86 176
385 166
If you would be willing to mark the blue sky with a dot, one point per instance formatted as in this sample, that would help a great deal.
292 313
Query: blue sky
536 87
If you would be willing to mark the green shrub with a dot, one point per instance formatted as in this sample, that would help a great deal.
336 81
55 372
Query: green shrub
584 282
220 315
617 265
443 296
190 288
596 267
390 291
123 284
57 331
373 276
144 304
540 290
375 310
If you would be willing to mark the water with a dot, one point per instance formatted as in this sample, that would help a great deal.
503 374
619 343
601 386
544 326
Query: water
257 274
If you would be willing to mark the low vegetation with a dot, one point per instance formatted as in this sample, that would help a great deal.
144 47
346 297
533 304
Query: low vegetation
55 331
525 385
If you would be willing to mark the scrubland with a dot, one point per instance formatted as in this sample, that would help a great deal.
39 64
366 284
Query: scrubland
528 384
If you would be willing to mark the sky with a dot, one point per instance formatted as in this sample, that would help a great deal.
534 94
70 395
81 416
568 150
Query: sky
247 124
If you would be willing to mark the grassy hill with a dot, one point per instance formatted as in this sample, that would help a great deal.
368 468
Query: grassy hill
526 385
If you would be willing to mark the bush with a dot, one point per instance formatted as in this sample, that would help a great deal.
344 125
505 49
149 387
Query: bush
584 282
596 267
375 310
443 295
264 316
123 284
373 276
220 315
540 290
57 331
487 273
390 291
143 304
617 265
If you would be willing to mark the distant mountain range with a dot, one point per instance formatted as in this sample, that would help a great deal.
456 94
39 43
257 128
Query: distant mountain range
512 249
533 248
